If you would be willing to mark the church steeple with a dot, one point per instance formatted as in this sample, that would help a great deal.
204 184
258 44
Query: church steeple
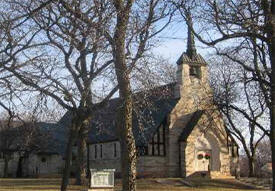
191 49
192 73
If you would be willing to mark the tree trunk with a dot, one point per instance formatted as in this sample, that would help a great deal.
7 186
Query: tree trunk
68 155
270 28
19 171
272 110
81 159
127 141
6 166
251 162
128 150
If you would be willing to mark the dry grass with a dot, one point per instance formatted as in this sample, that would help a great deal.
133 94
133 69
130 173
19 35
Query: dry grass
143 184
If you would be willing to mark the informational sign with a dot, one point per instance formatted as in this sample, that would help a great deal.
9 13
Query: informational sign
102 178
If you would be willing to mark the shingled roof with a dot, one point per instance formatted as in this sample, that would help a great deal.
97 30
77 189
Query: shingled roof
196 60
57 138
146 120
146 117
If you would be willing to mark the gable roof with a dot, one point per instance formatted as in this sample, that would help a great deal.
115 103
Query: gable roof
147 116
190 125
57 138
146 120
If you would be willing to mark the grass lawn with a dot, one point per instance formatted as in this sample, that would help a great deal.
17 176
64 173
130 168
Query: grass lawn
172 184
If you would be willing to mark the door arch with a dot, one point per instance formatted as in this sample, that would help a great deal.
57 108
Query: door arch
207 153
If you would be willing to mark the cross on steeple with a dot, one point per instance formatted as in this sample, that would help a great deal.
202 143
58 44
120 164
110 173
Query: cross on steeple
191 49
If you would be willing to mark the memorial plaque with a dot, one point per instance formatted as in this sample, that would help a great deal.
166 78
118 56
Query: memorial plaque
102 178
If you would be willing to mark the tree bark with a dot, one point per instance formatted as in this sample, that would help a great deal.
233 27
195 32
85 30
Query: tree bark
128 150
127 141
272 109
251 162
6 166
272 133
68 155
81 159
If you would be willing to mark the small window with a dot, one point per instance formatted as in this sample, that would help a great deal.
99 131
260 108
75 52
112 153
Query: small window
115 150
101 155
195 71
95 151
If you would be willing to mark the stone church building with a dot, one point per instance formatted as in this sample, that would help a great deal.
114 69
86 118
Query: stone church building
186 134
179 134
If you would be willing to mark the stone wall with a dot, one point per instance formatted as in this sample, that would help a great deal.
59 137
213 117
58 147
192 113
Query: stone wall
107 159
104 151
2 168
152 166
221 161
175 129
43 165
147 166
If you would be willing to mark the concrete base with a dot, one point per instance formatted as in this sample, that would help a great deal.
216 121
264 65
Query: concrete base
100 189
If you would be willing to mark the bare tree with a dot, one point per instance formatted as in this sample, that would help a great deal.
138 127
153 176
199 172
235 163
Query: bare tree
242 103
153 72
68 79
240 26
263 154
129 39
263 157
120 50
88 38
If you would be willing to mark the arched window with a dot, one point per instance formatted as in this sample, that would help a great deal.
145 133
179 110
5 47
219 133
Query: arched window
156 146
195 71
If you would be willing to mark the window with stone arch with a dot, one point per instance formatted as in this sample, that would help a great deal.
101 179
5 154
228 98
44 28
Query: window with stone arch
195 71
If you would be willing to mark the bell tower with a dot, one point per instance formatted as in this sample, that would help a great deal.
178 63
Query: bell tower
192 77
192 68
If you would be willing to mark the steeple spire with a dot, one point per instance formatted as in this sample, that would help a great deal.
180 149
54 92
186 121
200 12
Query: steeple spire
191 49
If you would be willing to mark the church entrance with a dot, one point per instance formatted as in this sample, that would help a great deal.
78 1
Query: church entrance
200 157
202 161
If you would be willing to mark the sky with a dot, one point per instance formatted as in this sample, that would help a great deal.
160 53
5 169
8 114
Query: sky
173 42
